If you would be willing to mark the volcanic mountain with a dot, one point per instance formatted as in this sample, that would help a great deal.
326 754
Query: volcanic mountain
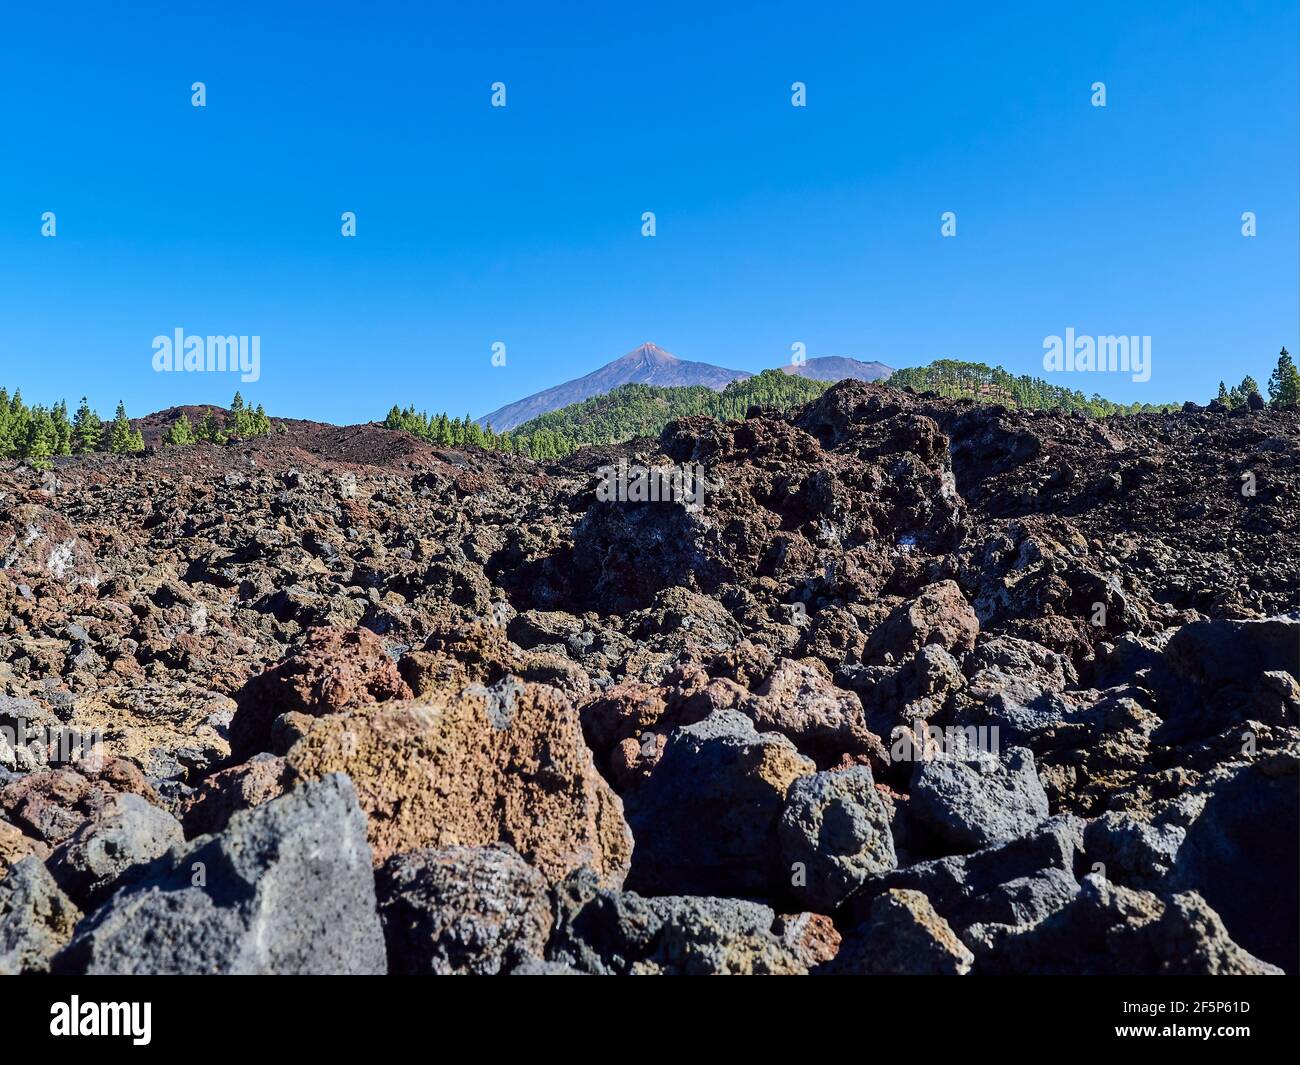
647 365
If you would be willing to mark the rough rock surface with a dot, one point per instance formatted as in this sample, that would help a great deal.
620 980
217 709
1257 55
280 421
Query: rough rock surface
903 937
877 582
36 919
602 932
1112 930
126 832
706 819
505 763
286 888
971 803
476 910
834 832
332 670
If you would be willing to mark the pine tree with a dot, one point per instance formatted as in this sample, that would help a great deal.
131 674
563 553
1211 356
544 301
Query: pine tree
180 432
209 429
1284 382
122 440
6 433
42 437
62 429
87 430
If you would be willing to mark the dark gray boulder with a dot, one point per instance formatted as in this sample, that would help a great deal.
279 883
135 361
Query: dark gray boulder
1111 930
1131 850
1242 855
286 888
36 918
125 832
974 802
904 936
705 820
1213 668
478 910
834 833
1015 883
603 932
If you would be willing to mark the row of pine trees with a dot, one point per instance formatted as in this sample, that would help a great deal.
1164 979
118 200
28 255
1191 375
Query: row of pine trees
444 431
637 409
40 433
957 379
244 423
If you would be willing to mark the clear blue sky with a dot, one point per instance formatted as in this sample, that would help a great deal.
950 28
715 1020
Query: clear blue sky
522 224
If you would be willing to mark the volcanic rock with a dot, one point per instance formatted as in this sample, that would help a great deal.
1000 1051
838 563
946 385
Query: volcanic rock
873 579
603 932
505 763
972 803
903 937
36 918
705 821
1111 930
477 910
834 833
127 831
286 888
330 672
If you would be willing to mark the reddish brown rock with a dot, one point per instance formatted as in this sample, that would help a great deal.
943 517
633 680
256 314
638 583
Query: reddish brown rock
824 722
331 670
627 724
940 614
453 656
487 765
240 787
812 937
15 846
50 805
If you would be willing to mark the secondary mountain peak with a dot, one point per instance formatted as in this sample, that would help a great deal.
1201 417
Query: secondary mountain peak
839 368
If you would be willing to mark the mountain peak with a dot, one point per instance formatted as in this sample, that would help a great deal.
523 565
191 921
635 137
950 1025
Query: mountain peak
649 365
650 353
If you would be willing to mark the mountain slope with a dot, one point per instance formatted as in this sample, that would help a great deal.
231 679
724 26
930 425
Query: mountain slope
647 365
840 368
643 410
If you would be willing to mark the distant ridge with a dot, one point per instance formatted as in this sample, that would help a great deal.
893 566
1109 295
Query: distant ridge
647 365
840 368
